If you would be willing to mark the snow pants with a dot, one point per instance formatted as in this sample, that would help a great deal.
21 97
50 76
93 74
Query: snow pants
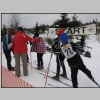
8 58
24 61
74 72
27 58
40 59
60 63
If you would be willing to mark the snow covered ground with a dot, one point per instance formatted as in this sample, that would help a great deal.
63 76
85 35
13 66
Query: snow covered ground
38 80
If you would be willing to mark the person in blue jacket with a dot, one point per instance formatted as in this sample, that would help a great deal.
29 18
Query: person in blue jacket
7 40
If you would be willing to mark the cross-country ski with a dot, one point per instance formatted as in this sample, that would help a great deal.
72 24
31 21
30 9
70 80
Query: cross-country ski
53 77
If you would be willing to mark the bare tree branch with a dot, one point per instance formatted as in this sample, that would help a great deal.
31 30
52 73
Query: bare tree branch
14 21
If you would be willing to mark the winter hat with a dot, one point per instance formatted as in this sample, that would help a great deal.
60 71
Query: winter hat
11 31
60 31
36 34
20 28
64 37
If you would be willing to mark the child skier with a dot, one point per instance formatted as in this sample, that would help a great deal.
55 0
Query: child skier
40 49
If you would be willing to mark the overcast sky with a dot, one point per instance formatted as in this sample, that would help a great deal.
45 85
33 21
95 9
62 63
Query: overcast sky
29 20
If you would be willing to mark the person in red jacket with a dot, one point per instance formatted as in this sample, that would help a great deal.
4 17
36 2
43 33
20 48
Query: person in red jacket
19 47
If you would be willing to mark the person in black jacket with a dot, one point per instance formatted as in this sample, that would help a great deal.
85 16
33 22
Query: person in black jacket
76 63
82 41
59 58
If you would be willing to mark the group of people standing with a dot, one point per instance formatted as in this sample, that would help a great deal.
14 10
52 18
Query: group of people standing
18 45
61 47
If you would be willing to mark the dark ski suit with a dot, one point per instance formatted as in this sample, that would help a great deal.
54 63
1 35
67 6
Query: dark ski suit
75 64
59 56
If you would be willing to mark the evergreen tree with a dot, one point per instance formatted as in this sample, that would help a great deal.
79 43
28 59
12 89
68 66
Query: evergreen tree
61 23
4 30
37 29
64 20
94 22
75 22
42 27
56 24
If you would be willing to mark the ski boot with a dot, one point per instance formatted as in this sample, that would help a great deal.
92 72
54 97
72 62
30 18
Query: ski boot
64 75
39 68
42 67
56 77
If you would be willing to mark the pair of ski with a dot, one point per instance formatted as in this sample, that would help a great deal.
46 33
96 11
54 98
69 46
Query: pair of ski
43 70
54 78
53 85
68 79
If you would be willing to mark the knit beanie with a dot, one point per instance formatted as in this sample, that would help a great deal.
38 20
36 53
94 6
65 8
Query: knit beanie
11 31
36 34
60 31
64 37
20 28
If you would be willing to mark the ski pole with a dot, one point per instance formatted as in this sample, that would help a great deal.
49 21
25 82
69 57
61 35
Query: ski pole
48 69
30 60
96 83
30 57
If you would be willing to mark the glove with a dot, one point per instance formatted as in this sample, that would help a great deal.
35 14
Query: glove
37 39
11 49
49 48
30 43
83 50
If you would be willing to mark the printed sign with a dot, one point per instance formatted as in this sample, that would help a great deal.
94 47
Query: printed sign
87 29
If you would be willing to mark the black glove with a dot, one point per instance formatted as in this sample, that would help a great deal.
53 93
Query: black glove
49 48
11 49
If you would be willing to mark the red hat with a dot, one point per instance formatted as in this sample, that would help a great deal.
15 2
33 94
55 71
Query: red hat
60 31
11 31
